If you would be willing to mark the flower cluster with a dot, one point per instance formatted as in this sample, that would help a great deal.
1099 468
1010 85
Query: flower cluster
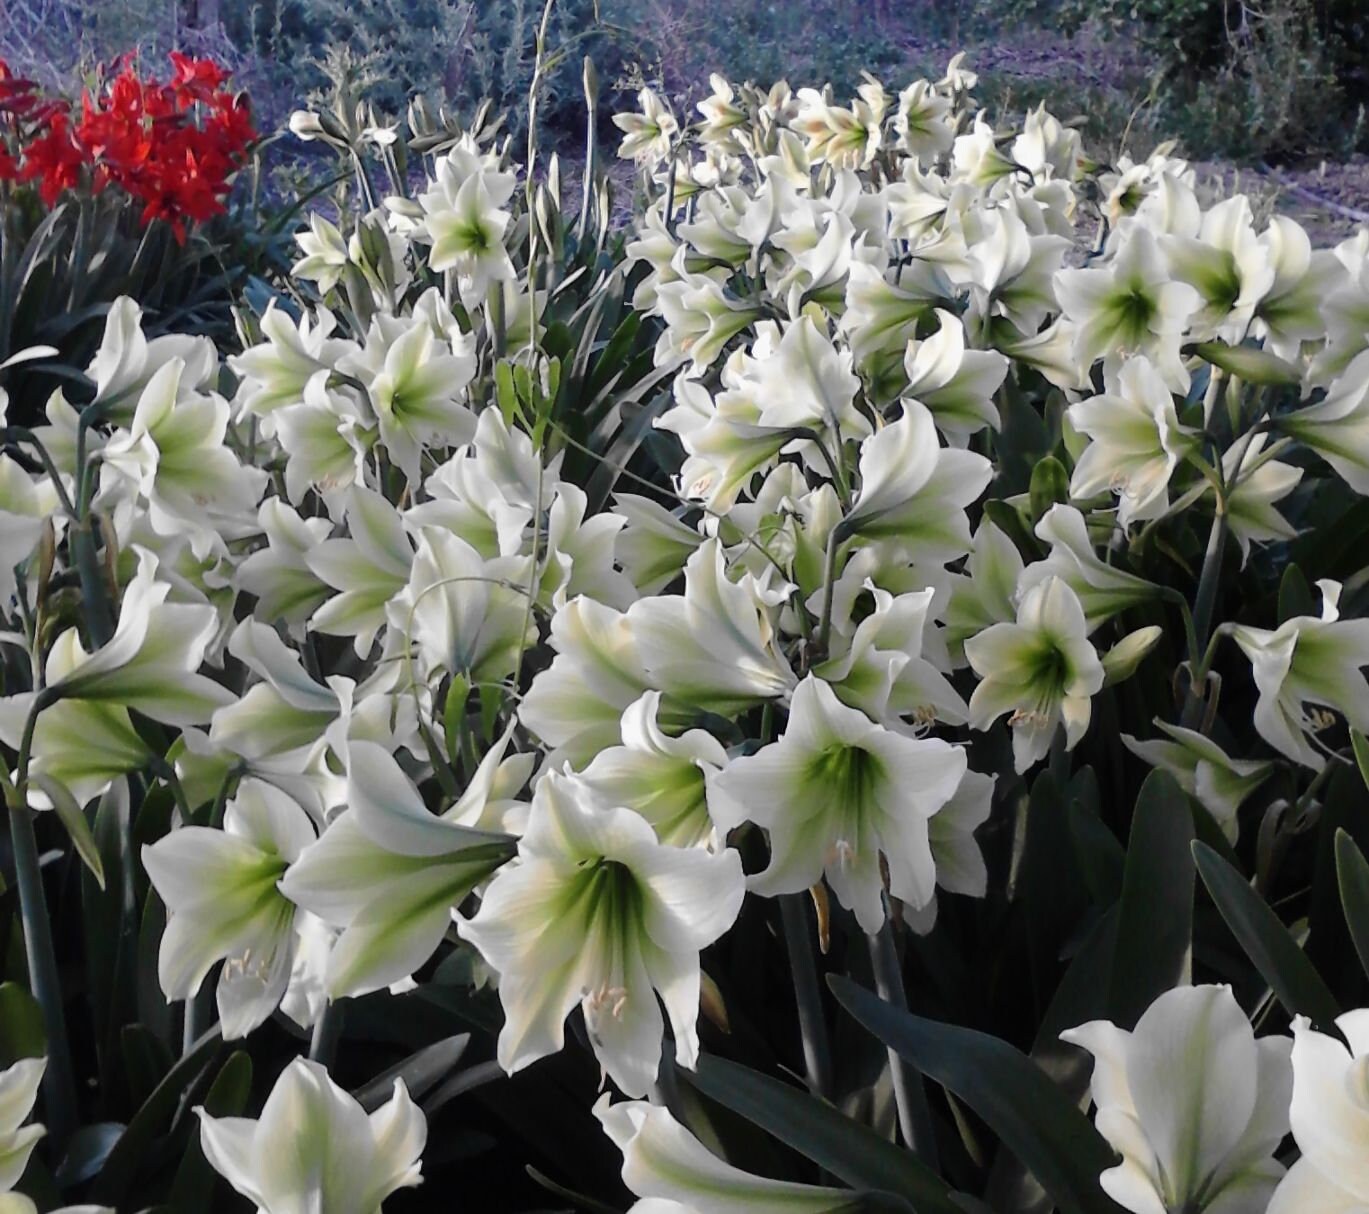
173 145
448 692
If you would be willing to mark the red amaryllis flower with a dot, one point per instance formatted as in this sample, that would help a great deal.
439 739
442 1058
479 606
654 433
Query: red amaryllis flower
53 159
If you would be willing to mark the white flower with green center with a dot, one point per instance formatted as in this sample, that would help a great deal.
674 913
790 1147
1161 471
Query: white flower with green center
326 440
1204 771
1330 1120
1254 485
914 492
662 778
598 912
416 382
1227 265
884 671
174 457
127 361
977 158
18 1092
649 134
1130 306
655 545
674 1173
835 793
1337 428
274 372
325 254
1102 589
1193 1103
986 592
923 121
463 220
960 867
285 588
389 872
956 384
723 117
25 506
368 568
1040 669
844 138
151 662
700 318
315 1150
1308 661
1137 442
576 705
460 613
220 891
1290 312
714 646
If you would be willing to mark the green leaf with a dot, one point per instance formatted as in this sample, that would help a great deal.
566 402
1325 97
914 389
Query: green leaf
86 1153
74 819
21 1025
1155 926
1352 872
1250 364
1266 941
135 1142
1295 596
1032 1117
195 1182
420 1071
1361 745
852 1152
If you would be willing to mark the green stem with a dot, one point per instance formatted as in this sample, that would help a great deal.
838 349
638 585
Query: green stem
59 1084
829 586
327 1033
817 1052
1202 615
910 1097
94 604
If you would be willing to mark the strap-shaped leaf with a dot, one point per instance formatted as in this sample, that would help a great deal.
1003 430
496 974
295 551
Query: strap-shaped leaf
1155 923
852 1152
1352 873
1266 941
1033 1118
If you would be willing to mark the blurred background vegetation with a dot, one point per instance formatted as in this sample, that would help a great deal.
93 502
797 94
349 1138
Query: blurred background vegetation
1239 81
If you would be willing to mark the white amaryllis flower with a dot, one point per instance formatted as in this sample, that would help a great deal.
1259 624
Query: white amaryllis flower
25 506
1130 306
18 1092
314 1148
1254 484
1042 669
648 135
1102 589
1308 660
1337 428
151 663
985 594
844 138
674 1173
597 911
923 121
713 646
219 887
1194 1104
835 792
1204 771
662 778
1137 442
389 873
1330 1119
956 384
173 457
1227 264
274 372
576 705
126 361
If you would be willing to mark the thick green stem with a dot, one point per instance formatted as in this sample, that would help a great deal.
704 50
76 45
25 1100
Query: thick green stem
910 1097
1202 617
817 1052
327 1033
94 602
59 1084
